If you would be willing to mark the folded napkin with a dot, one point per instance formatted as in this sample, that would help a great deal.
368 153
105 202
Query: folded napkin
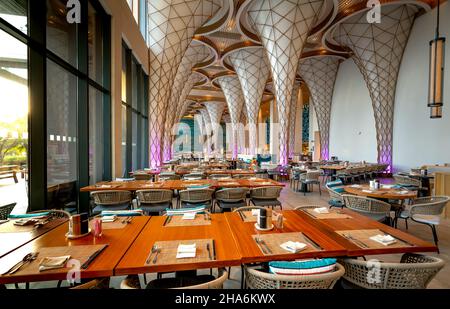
384 239
107 219
403 192
53 262
125 179
189 216
367 191
186 251
122 213
355 186
104 186
35 215
24 222
387 186
293 246
255 212
322 210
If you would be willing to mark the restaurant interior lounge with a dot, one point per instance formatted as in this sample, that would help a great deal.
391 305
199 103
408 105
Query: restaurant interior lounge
224 144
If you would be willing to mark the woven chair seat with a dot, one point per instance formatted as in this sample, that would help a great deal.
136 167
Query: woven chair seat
6 210
427 219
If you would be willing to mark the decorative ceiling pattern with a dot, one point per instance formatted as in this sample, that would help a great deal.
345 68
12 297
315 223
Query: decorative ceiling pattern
283 27
377 51
292 114
231 88
252 69
171 26
320 73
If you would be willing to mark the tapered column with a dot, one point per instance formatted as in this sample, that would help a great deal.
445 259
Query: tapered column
320 74
215 110
292 118
206 133
283 26
252 68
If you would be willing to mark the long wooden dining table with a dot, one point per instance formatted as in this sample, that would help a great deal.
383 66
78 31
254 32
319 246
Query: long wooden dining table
221 240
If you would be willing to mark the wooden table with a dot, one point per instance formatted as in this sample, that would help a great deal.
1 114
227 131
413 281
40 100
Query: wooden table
329 226
227 253
382 193
243 231
118 240
12 241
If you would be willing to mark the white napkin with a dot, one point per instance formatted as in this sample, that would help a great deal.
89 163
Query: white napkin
293 246
403 192
355 186
384 239
186 251
367 191
109 219
105 186
387 186
322 210
189 216
53 262
255 212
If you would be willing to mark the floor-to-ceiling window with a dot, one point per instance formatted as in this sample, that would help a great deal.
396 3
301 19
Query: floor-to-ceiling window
67 77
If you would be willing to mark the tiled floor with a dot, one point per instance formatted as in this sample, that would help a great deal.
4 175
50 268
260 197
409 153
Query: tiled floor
290 199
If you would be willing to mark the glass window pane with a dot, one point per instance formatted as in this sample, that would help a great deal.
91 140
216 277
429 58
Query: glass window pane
96 136
61 36
124 75
143 142
13 122
124 140
134 85
62 136
15 13
134 141
95 45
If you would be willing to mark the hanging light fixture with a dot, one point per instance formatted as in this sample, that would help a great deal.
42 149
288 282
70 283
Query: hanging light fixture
436 79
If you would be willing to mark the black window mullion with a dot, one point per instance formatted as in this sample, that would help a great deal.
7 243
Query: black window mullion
139 117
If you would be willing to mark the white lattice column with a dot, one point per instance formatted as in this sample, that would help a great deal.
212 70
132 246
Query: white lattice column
283 26
235 100
378 51
292 114
215 110
206 133
320 74
171 25
252 68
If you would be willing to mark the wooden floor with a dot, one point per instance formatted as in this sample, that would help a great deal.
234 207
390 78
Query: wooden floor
291 199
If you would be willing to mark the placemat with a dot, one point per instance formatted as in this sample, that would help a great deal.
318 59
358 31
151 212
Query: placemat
361 238
333 214
273 241
80 253
9 227
168 253
247 216
177 220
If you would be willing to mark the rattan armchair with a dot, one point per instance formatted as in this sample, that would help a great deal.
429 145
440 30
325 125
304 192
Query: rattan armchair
414 271
334 190
369 207
426 210
228 199
154 201
266 196
6 210
257 279
195 197
111 200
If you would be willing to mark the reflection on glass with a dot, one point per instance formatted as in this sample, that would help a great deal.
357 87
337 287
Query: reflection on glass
13 120
95 45
61 36
134 141
96 136
124 140
15 13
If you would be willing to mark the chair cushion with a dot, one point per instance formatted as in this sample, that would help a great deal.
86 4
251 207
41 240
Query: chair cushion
155 207
306 267
338 190
335 203
263 203
428 219
223 204
335 183
100 208
179 282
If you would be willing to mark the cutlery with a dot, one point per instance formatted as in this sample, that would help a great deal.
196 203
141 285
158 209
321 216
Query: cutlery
154 248
4 221
214 249
240 215
243 215
158 250
124 220
257 240
209 251
129 220
265 245
356 241
27 259
93 257
312 242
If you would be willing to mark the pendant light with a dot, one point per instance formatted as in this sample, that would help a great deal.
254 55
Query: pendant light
436 79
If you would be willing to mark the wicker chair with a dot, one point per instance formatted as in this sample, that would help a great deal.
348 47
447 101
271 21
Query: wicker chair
310 178
111 200
228 199
409 183
154 201
219 176
336 198
6 210
266 196
369 207
257 279
195 197
414 271
426 210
